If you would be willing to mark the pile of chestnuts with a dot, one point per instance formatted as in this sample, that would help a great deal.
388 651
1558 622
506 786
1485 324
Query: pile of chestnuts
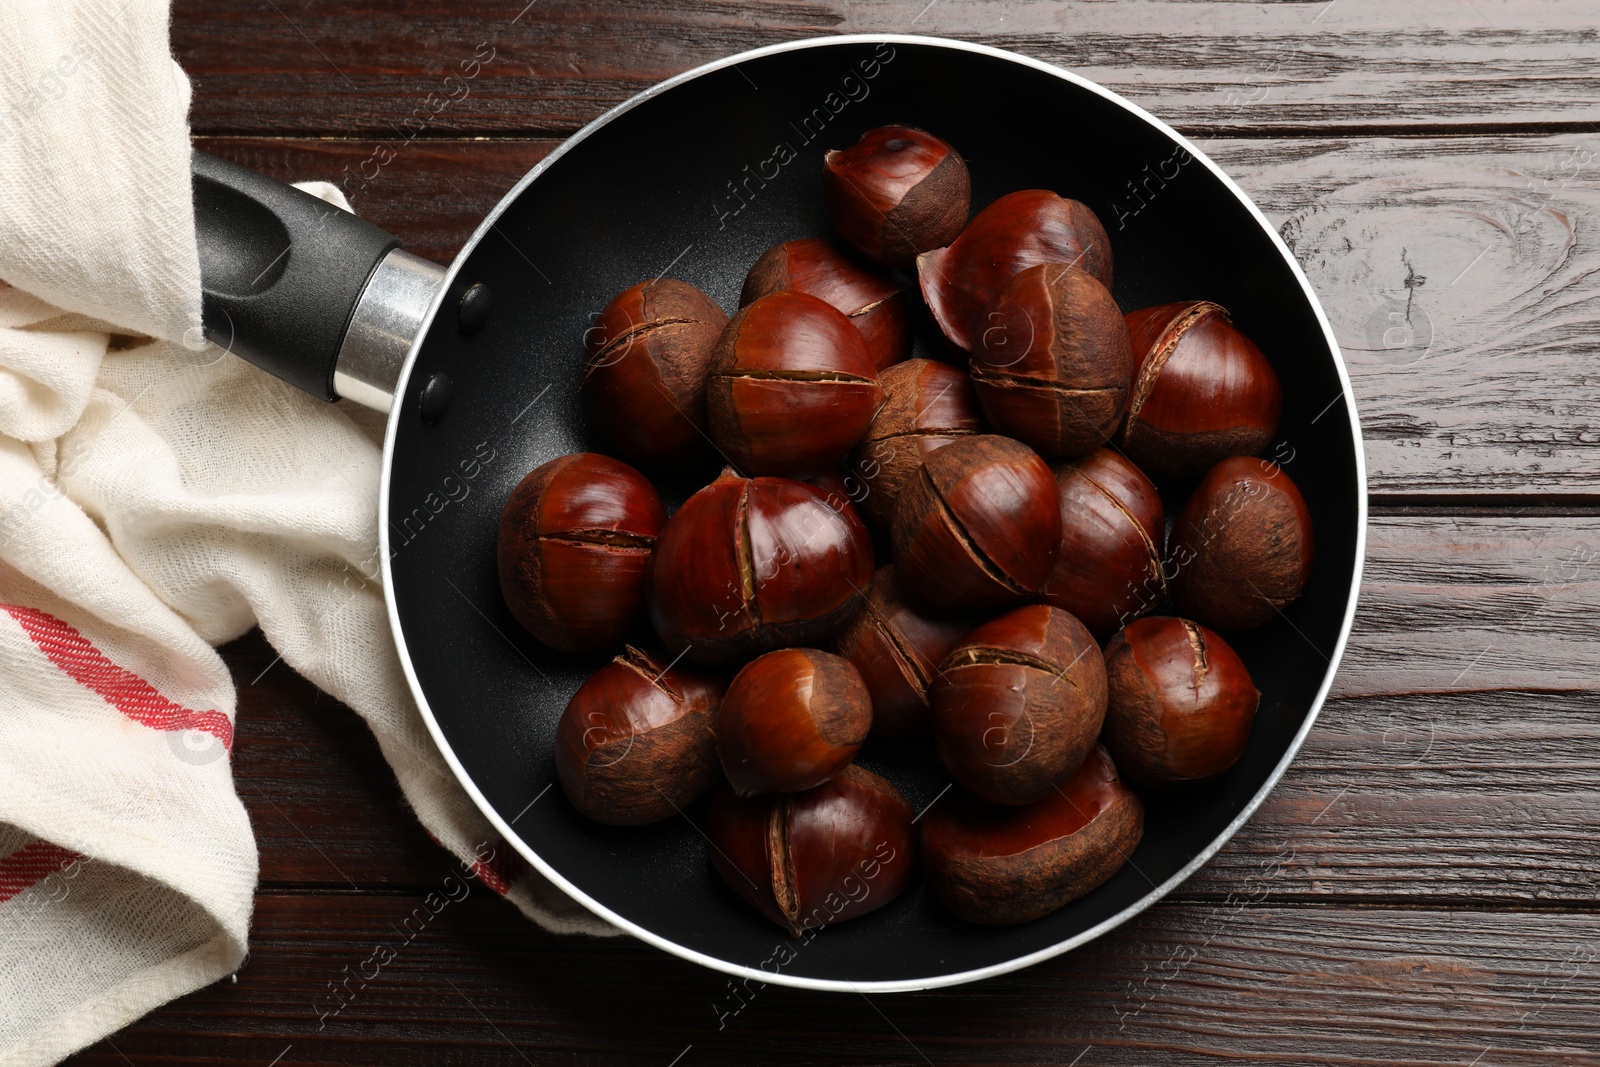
964 553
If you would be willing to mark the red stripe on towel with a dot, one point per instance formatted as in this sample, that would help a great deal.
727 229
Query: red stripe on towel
490 877
32 864
121 688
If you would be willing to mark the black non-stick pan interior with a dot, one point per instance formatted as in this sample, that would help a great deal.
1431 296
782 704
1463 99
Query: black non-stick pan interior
695 182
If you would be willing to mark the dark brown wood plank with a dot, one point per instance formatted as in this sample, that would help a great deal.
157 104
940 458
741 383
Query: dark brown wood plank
1461 604
1487 389
430 194
1457 762
1180 984
366 68
1457 274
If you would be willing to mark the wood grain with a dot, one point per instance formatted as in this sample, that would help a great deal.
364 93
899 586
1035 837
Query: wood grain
1413 784
1456 273
431 194
1462 604
1181 984
1420 888
365 68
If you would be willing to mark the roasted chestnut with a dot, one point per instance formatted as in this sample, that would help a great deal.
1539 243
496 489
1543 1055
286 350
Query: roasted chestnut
574 544
926 404
644 383
1202 392
1180 705
791 719
871 299
896 192
1112 526
748 565
979 527
1052 364
898 649
791 386
1242 546
635 743
998 865
822 856
1018 231
1018 703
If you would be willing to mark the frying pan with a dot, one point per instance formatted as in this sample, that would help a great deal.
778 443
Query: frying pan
695 178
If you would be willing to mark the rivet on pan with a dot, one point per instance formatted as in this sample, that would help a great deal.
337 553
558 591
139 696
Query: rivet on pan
476 304
437 393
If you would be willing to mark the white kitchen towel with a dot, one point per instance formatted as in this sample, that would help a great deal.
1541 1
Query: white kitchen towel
157 497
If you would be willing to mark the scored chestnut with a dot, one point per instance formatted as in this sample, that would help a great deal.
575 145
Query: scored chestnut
574 544
926 405
791 386
634 744
808 859
644 382
874 302
896 192
1052 363
1202 392
996 865
979 527
1180 706
748 565
898 649
791 720
1112 526
1017 231
1242 546
1018 703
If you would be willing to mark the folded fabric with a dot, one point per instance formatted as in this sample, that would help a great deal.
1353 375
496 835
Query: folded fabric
157 497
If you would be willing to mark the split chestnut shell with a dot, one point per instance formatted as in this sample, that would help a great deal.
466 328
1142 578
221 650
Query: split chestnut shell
1018 704
1052 364
748 565
1017 231
806 860
896 192
871 298
635 745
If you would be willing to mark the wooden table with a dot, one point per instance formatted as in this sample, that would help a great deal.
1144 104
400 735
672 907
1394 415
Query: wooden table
1424 885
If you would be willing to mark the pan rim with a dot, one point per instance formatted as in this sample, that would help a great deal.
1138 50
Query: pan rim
834 984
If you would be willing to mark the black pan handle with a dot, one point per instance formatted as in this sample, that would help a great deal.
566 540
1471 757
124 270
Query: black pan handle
290 282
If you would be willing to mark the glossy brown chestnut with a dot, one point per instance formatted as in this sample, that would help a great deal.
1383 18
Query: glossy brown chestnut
1018 703
1242 547
926 405
748 565
1181 703
635 744
1018 231
1052 363
878 305
896 192
979 527
1112 527
997 865
574 545
806 860
898 650
644 382
791 720
1202 392
791 386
